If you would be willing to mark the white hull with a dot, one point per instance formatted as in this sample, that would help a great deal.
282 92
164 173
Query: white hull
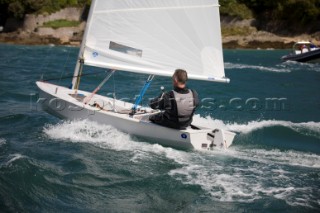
61 102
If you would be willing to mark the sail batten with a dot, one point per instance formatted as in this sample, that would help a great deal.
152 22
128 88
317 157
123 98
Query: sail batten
156 35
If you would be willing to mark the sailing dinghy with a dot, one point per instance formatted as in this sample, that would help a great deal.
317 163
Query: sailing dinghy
149 37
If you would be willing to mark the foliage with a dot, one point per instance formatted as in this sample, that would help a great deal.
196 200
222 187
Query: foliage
235 31
236 9
61 23
293 14
277 15
18 8
293 11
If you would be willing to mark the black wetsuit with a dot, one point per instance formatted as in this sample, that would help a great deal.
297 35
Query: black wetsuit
170 102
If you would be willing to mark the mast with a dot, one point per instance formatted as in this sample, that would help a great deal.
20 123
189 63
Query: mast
80 60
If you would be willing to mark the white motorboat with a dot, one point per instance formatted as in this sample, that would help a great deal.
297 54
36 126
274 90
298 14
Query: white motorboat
303 51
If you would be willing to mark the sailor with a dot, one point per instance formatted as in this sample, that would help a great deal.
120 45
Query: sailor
178 105
303 47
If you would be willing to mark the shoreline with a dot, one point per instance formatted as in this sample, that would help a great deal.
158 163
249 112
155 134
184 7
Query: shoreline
256 40
236 33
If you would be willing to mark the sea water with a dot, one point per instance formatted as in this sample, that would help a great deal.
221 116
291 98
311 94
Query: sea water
51 165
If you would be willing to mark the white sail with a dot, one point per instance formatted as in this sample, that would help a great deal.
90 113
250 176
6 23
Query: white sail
156 37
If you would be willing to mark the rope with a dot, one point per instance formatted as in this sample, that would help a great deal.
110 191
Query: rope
142 92
88 98
64 66
45 63
71 76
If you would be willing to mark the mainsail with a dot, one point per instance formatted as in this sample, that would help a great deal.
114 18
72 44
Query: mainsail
155 37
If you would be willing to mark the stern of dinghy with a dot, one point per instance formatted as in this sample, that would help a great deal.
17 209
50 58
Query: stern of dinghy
209 139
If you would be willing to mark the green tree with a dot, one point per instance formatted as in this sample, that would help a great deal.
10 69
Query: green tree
300 11
234 8
293 15
35 5
18 8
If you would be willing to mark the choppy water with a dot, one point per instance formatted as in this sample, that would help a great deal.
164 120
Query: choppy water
49 165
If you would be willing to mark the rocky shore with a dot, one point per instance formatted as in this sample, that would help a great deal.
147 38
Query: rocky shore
236 34
255 40
266 40
27 38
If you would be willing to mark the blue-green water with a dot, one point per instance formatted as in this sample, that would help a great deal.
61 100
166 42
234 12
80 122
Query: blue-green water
48 165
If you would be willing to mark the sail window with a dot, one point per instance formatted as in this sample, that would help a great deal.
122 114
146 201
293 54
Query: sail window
125 49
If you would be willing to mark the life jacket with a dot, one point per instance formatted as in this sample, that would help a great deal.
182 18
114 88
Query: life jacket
185 107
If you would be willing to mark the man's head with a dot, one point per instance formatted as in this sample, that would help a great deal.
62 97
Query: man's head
180 78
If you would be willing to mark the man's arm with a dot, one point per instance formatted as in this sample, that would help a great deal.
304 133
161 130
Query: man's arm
162 102
196 98
157 103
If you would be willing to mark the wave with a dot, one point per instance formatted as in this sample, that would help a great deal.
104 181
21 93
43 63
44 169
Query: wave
254 67
249 175
294 65
288 158
2 142
285 67
109 137
87 131
310 128
236 174
12 158
13 116
102 136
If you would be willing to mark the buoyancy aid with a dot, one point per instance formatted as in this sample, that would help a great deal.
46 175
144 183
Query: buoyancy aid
185 107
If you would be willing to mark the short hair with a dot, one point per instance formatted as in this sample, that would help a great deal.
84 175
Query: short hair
181 76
